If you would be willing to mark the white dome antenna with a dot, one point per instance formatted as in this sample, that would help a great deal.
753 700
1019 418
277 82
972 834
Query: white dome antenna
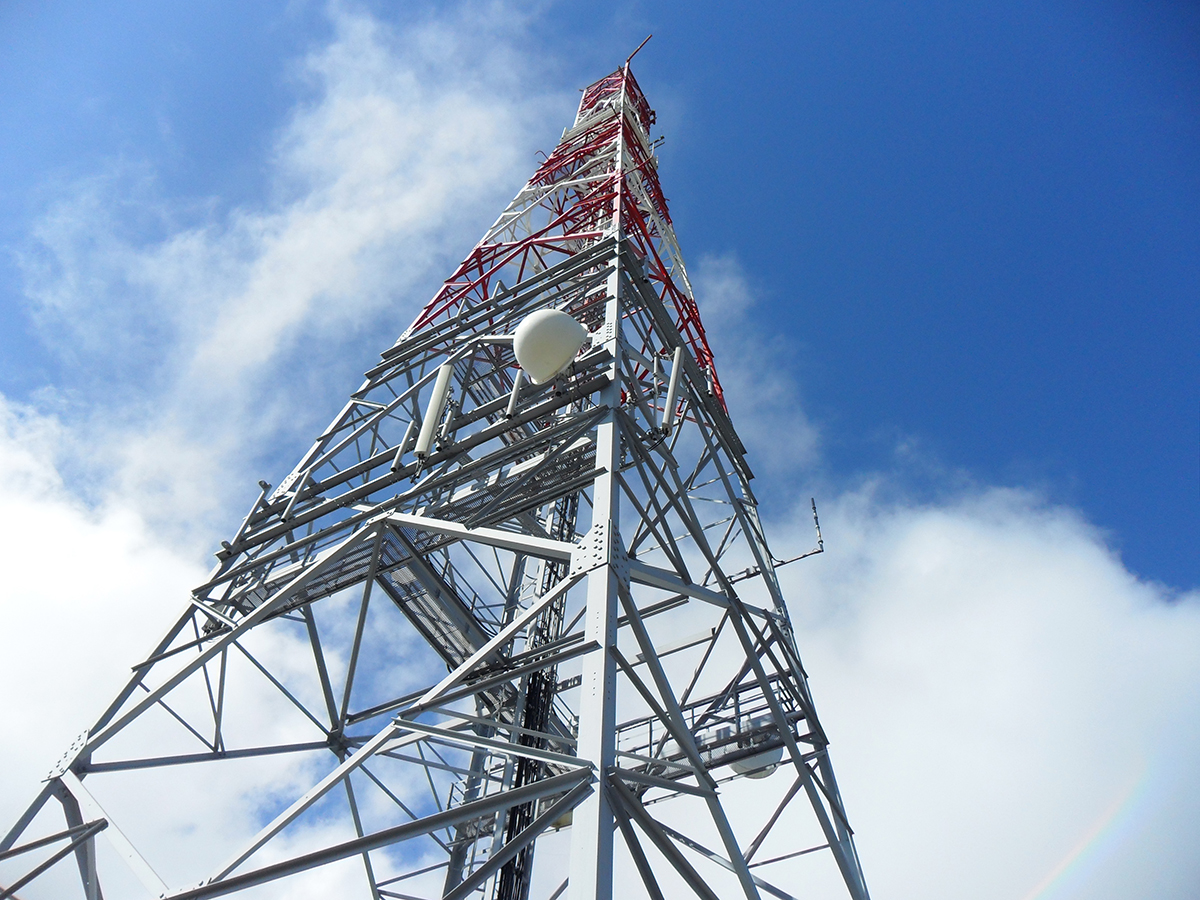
546 342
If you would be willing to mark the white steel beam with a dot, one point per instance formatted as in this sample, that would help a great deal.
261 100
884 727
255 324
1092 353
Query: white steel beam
92 810
544 548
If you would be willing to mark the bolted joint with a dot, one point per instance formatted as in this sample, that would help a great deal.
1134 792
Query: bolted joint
601 546
68 758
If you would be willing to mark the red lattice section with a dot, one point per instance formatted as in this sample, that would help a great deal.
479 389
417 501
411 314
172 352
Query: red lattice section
571 219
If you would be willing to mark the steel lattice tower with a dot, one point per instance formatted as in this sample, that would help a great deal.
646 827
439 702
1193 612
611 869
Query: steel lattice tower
519 616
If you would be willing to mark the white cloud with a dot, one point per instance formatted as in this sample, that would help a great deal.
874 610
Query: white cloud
86 591
1013 713
89 591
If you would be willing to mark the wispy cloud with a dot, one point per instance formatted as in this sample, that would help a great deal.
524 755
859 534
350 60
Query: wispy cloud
194 333
756 370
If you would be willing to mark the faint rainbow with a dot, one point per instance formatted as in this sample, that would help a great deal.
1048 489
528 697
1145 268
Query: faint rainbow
1107 825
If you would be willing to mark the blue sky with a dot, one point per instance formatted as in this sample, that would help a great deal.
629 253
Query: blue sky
949 258
976 223
980 222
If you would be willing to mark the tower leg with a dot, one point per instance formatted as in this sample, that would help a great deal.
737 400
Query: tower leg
592 822
85 853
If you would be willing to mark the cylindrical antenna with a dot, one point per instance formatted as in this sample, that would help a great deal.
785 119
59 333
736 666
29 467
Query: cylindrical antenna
433 413
635 52
402 447
446 434
672 390
817 525
516 393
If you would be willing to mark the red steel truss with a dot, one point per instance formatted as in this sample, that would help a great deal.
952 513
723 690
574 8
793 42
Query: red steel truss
600 179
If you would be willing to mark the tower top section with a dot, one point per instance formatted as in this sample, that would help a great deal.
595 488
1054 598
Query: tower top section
610 91
599 184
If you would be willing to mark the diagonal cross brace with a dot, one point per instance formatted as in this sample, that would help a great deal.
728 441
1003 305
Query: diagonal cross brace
422 826
250 621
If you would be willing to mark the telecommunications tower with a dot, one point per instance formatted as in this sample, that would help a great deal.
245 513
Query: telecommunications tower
509 630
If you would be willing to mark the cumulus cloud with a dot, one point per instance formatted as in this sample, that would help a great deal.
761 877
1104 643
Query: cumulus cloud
89 590
1013 713
86 590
